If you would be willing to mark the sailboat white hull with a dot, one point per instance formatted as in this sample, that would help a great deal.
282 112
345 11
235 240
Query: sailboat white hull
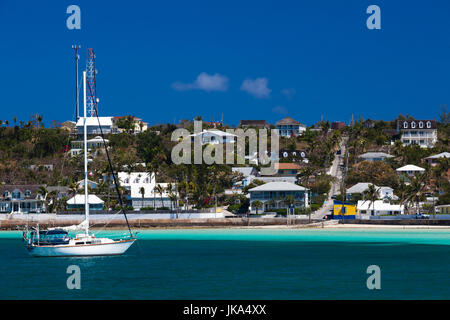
98 249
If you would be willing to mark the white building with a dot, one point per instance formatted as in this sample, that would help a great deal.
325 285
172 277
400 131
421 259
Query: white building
92 144
361 187
418 132
374 156
378 208
92 125
143 190
214 137
79 200
410 170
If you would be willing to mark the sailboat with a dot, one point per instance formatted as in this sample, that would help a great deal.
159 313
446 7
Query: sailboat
56 242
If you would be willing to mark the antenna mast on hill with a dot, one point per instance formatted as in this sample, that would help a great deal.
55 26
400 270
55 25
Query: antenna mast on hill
77 91
90 75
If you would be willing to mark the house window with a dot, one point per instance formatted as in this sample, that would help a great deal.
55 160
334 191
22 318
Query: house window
420 124
147 180
136 180
27 193
6 194
428 124
127 180
413 124
405 124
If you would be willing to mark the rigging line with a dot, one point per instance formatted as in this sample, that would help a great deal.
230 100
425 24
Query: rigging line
109 159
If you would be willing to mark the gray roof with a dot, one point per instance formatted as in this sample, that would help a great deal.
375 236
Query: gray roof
439 155
289 121
369 155
360 187
278 186
277 179
246 171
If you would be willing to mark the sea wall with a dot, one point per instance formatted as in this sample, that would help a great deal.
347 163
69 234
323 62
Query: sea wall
13 222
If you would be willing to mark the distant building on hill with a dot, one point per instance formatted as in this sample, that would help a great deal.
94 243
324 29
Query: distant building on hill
338 125
418 132
374 156
289 127
138 125
434 159
259 124
92 125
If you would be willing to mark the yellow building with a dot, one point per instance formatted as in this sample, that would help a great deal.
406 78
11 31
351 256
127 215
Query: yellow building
346 209
444 209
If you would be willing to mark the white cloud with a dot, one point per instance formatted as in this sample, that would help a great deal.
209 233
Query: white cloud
204 81
257 88
280 110
288 93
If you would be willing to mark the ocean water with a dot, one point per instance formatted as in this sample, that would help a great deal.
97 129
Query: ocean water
241 264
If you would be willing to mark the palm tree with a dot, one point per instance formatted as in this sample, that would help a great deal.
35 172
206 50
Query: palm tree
257 204
160 190
142 192
371 195
415 190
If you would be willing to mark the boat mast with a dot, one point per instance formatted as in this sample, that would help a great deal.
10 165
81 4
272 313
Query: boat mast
86 194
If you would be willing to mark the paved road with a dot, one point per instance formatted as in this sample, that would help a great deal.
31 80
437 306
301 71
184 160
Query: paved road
336 172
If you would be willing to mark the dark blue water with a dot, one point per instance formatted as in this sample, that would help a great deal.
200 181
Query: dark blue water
241 264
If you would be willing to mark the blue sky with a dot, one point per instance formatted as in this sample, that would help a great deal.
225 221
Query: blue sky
169 60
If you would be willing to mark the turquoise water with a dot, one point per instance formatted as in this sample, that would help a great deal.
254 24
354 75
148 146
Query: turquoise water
241 264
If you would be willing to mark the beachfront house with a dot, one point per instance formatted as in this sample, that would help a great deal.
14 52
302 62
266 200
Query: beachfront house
144 192
374 156
443 209
289 127
22 199
273 195
365 208
418 132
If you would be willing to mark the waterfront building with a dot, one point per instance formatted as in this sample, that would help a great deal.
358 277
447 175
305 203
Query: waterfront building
418 132
289 127
22 199
143 190
77 202
444 209
410 170
346 209
434 159
273 195
366 208
374 156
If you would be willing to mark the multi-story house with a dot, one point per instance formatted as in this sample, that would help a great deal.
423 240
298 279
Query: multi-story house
273 195
214 137
289 127
418 132
138 125
21 199
92 125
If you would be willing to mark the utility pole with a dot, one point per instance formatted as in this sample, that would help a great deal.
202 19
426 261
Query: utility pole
76 47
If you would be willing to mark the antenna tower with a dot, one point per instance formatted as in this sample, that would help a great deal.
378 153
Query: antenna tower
90 75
